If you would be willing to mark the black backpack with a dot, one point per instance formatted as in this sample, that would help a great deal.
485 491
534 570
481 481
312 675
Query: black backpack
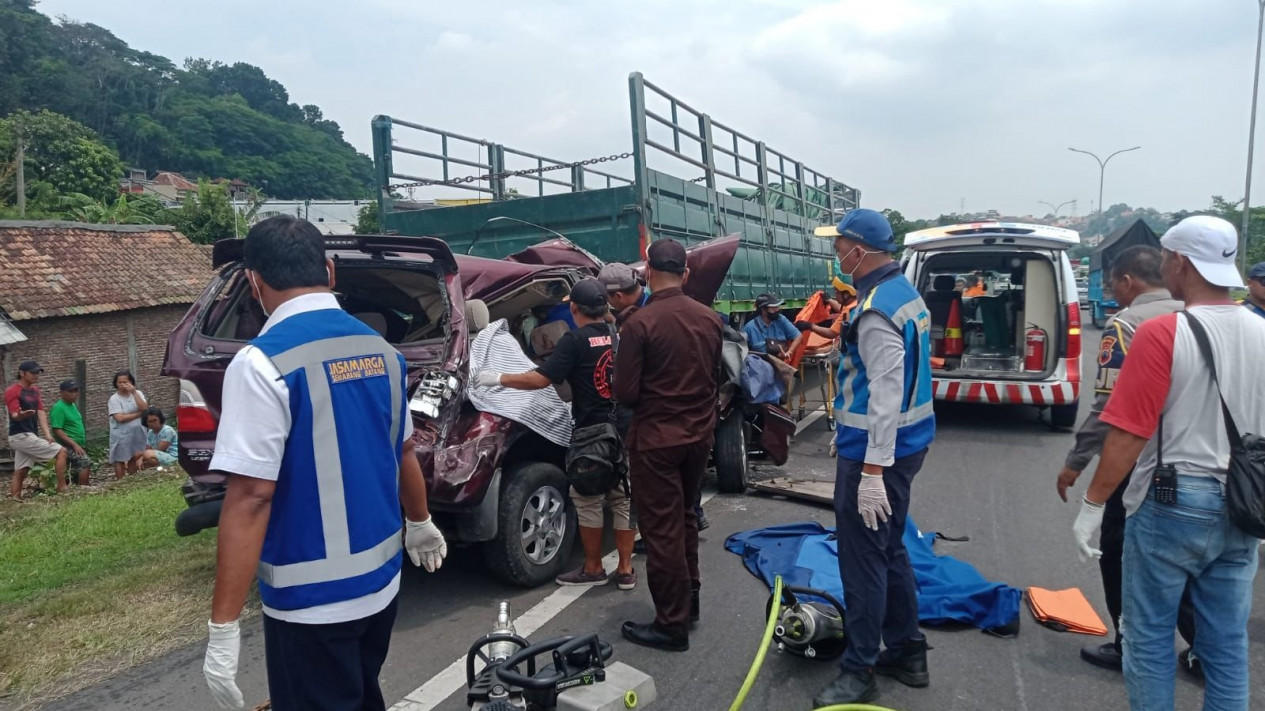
1245 479
597 461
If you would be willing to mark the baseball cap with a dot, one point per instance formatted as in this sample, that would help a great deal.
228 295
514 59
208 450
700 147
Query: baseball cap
618 276
1257 271
764 301
588 292
1210 243
666 255
30 366
869 227
68 385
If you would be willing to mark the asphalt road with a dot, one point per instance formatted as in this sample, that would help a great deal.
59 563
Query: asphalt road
990 476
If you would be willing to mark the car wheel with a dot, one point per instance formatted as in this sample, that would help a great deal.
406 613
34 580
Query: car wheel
1063 417
536 526
730 453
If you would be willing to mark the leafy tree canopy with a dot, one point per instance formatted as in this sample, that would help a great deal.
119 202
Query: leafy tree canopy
63 153
204 119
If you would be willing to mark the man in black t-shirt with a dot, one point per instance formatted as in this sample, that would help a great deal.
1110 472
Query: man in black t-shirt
585 359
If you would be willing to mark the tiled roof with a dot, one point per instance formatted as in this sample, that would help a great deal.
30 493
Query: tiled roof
71 268
175 180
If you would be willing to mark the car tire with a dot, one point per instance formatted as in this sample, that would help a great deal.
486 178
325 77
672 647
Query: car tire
1063 417
730 454
536 526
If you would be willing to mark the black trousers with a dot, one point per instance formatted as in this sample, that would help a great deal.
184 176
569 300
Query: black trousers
880 594
665 484
330 667
1111 565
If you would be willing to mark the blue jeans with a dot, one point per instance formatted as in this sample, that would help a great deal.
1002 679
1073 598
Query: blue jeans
1165 548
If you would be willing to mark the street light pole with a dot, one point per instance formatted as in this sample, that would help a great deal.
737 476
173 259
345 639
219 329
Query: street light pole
1102 164
1251 140
1061 205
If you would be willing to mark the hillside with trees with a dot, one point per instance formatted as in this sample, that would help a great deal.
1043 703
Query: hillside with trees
204 119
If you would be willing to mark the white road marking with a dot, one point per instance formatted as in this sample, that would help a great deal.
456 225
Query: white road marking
453 678
809 419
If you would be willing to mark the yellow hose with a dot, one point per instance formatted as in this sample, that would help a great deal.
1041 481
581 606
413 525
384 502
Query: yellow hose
764 647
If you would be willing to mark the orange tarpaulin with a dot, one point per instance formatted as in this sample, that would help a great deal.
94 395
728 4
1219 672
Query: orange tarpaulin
1065 610
814 311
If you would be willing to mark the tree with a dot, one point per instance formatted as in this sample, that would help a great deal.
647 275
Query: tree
136 210
367 220
61 152
208 215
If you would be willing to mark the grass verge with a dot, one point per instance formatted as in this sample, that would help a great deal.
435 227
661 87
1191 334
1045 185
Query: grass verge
94 582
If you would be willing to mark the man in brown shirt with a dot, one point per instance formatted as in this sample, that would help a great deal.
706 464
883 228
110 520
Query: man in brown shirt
666 371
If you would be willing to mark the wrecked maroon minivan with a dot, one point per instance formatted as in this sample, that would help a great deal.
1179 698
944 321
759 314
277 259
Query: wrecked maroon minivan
490 479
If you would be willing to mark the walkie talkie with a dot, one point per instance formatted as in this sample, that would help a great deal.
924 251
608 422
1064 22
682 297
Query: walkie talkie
1164 479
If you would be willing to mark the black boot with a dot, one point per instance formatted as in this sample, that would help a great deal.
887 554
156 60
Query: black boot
851 687
695 605
649 635
906 664
1107 656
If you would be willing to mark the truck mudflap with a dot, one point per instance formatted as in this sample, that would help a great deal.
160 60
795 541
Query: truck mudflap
1006 392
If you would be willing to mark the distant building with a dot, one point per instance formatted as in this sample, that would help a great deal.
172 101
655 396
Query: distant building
88 300
237 189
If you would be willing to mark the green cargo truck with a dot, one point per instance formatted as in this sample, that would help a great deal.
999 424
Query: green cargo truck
732 184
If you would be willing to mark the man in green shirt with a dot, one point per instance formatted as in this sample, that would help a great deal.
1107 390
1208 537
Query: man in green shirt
67 425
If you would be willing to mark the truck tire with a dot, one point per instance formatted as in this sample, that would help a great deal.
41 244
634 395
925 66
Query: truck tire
536 526
730 453
1063 417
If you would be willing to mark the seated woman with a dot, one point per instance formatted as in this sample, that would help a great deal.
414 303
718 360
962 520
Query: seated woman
161 438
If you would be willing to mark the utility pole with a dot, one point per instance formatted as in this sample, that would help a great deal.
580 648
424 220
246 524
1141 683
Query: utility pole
1251 140
1055 208
21 175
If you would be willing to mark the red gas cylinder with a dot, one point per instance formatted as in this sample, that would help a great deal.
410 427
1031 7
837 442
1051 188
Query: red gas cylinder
1034 350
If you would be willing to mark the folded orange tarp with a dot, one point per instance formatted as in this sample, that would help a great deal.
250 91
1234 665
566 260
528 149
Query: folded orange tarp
1065 610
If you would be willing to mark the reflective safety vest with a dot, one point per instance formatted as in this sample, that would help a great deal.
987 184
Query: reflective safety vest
335 531
897 300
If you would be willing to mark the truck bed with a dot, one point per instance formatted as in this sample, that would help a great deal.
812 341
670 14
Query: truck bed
744 188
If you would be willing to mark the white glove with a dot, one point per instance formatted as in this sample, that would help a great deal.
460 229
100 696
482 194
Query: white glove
834 450
487 379
1088 521
872 501
220 668
425 544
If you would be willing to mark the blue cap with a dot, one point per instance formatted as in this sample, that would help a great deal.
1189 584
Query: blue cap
1257 271
869 227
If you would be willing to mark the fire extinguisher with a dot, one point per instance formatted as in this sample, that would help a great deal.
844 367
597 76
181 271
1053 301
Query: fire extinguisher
1034 349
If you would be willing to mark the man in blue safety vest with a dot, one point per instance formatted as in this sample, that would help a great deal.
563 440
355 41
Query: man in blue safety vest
885 424
314 436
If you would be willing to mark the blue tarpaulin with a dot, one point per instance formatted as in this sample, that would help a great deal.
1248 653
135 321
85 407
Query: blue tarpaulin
949 590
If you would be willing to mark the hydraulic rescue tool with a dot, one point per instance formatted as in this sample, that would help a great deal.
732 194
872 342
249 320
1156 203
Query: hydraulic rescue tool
578 679
808 628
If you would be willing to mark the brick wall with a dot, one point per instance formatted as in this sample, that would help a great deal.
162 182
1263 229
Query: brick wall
101 341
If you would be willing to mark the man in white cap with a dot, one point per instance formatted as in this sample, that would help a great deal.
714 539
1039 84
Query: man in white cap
1168 414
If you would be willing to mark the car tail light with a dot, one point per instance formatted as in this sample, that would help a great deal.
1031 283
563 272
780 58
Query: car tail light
192 414
1074 331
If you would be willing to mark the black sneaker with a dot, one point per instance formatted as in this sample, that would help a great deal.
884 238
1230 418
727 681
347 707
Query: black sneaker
906 664
1189 662
1107 656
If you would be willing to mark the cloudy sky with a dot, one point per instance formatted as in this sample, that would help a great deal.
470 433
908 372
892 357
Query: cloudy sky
924 105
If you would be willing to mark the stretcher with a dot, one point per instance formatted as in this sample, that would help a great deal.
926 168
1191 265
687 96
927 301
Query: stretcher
824 361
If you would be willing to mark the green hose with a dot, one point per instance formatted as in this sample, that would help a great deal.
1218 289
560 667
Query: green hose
764 647
758 662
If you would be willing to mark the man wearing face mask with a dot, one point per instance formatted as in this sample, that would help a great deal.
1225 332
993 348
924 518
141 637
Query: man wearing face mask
885 424
314 437
769 331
